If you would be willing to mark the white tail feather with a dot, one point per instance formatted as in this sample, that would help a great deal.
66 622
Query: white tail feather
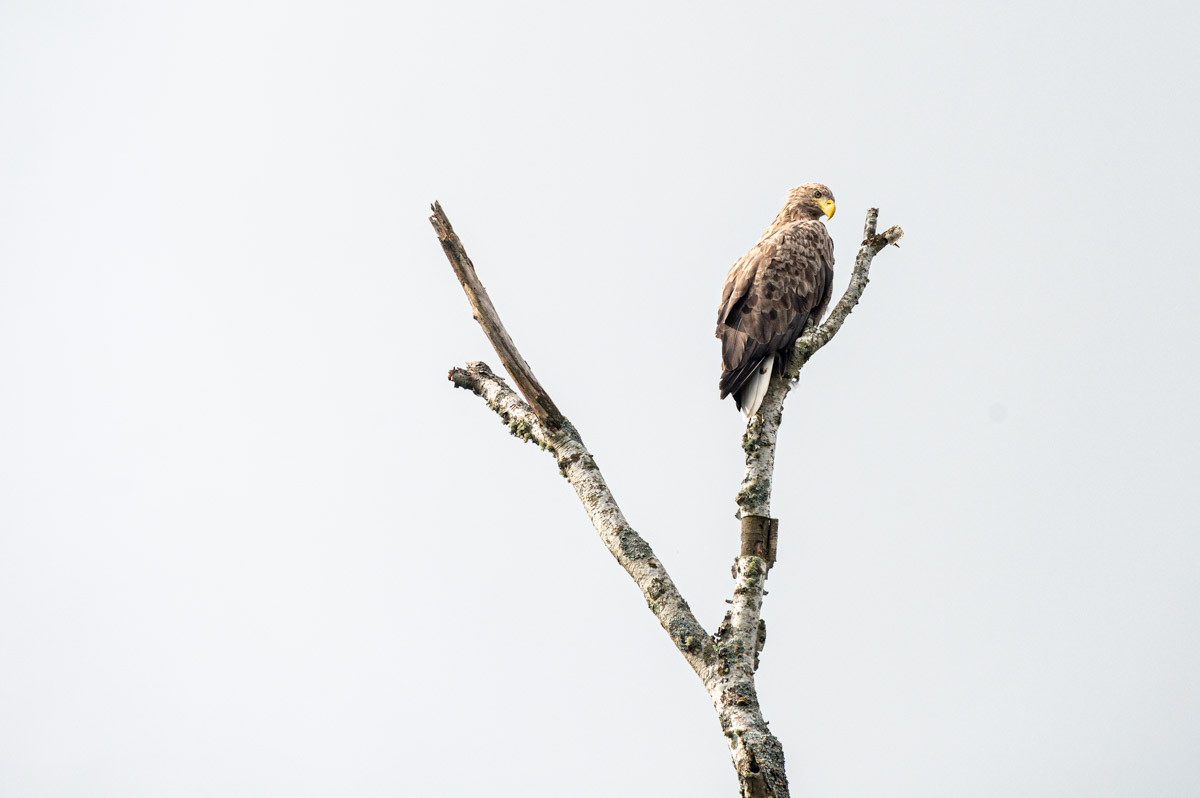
755 389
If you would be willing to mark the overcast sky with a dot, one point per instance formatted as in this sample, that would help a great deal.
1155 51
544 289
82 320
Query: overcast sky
253 543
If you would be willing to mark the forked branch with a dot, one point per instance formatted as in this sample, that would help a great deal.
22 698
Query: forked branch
485 313
727 660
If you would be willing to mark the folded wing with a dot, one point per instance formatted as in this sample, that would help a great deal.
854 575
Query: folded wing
768 297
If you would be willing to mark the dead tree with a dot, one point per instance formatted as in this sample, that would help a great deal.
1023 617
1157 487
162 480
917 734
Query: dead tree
726 660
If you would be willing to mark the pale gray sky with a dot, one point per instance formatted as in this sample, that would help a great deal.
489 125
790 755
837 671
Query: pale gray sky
253 543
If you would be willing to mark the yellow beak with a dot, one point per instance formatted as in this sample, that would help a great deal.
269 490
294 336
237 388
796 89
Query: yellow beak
829 208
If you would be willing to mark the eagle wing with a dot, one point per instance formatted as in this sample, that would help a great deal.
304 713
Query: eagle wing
769 295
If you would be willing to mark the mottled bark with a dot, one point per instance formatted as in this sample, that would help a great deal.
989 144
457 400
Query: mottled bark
725 661
627 546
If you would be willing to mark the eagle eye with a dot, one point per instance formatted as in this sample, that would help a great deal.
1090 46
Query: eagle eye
817 195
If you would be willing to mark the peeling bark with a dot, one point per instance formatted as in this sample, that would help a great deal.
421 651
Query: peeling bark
726 661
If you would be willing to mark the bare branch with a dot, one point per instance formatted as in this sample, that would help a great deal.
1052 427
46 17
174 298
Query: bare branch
538 420
575 462
872 245
485 313
754 497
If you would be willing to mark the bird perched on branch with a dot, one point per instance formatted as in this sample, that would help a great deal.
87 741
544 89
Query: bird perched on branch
772 292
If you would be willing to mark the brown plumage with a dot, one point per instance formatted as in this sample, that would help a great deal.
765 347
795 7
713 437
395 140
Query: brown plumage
772 292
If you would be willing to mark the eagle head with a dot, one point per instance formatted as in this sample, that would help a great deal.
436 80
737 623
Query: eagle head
811 201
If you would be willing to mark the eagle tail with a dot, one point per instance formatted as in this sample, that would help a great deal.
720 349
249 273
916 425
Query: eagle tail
751 396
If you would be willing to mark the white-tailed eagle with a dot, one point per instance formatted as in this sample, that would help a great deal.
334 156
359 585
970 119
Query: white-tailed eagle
772 292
